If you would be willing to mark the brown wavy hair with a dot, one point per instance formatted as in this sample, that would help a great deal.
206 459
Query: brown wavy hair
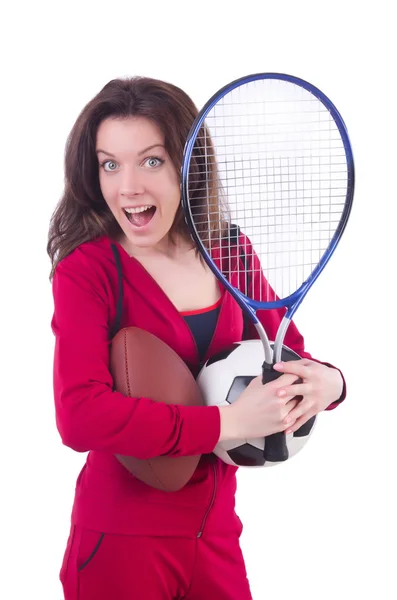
82 213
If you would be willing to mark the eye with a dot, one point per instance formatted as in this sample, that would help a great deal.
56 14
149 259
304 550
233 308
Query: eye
111 165
153 162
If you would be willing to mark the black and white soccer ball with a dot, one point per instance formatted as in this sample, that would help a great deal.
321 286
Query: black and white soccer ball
223 378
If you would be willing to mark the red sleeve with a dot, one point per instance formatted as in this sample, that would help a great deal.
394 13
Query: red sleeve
271 320
89 414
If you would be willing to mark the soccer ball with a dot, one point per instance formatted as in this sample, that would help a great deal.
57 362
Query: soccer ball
223 378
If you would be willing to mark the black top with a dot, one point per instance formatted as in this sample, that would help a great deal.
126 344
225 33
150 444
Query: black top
202 324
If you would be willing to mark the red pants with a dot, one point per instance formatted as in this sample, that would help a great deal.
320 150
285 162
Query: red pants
122 567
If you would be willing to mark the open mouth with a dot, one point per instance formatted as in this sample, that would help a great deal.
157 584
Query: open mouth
141 215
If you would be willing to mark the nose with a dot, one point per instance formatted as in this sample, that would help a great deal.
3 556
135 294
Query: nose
132 183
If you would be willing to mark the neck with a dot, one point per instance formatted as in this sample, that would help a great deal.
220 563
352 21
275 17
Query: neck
165 248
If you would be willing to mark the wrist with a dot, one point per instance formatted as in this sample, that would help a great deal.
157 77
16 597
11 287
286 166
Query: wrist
229 424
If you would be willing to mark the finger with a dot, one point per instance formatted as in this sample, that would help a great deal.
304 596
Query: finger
308 362
297 389
285 380
301 409
289 406
299 422
292 404
282 381
293 367
286 410
287 403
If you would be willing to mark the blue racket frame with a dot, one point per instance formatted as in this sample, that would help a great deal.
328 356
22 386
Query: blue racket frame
293 301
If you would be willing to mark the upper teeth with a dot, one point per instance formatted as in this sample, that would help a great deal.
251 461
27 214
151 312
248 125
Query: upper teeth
138 209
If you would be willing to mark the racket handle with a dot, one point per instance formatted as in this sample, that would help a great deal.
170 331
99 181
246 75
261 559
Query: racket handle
275 449
305 429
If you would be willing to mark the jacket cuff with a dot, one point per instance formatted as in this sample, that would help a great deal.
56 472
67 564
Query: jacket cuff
201 428
343 395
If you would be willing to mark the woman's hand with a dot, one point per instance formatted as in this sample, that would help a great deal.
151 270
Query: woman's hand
259 411
321 385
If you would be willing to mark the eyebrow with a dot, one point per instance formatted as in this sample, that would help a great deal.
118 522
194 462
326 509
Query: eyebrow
139 153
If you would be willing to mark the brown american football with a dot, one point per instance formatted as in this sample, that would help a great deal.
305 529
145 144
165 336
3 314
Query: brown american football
142 365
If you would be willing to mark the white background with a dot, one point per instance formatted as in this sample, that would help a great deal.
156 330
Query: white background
323 525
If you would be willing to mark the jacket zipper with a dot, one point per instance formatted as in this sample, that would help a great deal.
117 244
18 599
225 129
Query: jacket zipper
213 464
201 364
207 512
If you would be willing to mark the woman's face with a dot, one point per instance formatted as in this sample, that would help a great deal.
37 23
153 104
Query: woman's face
138 181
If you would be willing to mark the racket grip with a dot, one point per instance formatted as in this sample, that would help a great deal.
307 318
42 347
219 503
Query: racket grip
275 449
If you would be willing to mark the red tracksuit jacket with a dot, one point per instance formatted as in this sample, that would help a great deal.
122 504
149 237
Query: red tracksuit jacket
92 417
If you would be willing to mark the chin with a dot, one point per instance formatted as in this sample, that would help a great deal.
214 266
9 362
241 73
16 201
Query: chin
146 240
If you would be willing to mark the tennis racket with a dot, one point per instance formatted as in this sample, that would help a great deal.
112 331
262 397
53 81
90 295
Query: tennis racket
268 175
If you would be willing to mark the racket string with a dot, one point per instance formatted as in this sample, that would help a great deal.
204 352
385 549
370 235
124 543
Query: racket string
273 163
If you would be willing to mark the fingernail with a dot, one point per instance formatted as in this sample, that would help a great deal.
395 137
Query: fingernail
278 366
288 431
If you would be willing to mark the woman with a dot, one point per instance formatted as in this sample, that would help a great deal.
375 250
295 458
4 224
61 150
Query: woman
127 539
